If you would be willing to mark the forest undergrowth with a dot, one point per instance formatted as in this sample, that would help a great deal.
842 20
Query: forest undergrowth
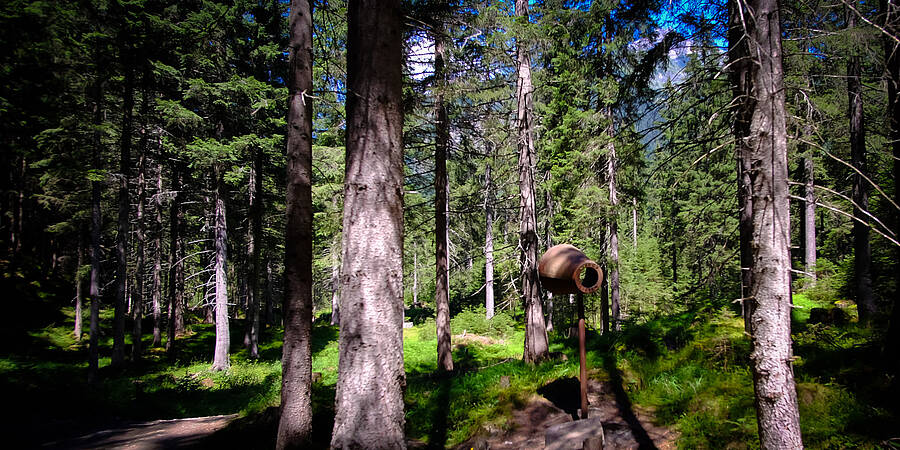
690 369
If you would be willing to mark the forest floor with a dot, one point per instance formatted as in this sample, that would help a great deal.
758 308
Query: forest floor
157 434
681 379
624 425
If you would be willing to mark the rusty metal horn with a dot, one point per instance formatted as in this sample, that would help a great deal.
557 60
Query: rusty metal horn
564 269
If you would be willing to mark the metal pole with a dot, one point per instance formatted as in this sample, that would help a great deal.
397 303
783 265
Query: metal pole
582 357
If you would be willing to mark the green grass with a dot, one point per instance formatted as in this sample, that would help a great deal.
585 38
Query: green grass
704 389
690 369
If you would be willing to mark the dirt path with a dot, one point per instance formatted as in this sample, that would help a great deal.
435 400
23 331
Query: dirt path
624 426
158 434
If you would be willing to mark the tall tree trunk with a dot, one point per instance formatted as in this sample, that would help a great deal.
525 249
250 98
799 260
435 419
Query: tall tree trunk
673 243
809 195
118 353
176 265
634 231
549 321
253 249
79 283
809 222
442 270
138 291
18 208
613 230
892 62
270 297
862 250
221 359
369 399
604 304
488 244
157 260
415 290
96 256
755 47
295 426
336 282
743 83
536 344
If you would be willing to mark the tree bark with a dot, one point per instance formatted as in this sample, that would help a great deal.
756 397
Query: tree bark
415 290
742 83
157 260
549 321
17 201
809 220
79 284
442 270
536 343
862 249
176 265
634 230
371 379
756 25
614 295
253 249
295 426
488 244
270 297
118 351
809 195
138 291
335 282
96 217
221 359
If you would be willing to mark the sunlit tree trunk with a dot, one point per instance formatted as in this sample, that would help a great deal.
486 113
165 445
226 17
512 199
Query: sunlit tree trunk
613 245
336 282
862 250
442 270
369 409
415 288
603 225
221 359
295 425
536 345
755 50
488 244
634 230
809 221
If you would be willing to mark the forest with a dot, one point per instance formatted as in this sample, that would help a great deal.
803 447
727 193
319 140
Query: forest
326 224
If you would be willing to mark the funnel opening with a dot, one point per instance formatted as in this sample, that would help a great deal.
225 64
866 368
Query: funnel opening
588 277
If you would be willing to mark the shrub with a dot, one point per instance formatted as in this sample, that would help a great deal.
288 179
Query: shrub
831 280
418 314
474 321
